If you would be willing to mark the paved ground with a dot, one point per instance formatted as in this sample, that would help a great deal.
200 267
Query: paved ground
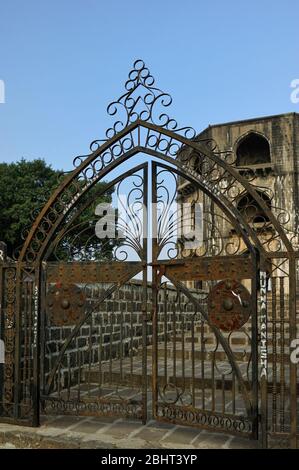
108 433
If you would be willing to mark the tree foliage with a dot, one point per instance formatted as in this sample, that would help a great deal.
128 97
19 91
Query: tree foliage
25 186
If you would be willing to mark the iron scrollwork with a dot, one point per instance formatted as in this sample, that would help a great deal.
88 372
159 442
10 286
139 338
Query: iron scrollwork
9 338
142 101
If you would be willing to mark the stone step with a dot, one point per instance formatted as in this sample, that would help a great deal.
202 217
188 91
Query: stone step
234 340
207 330
240 354
187 354
209 339
136 380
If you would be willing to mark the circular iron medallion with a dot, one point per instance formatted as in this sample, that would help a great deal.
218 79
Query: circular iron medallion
65 304
229 305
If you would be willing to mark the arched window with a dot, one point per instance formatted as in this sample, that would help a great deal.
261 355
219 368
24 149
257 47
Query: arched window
251 210
253 149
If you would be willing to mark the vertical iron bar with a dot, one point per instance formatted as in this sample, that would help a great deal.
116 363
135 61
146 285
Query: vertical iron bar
17 355
193 358
100 355
2 324
165 331
69 380
30 365
154 293
274 356
202 353
43 327
25 333
213 381
89 355
131 333
263 355
121 342
254 345
36 345
174 339
144 294
233 393
59 380
110 343
79 374
183 347
282 355
293 337
223 392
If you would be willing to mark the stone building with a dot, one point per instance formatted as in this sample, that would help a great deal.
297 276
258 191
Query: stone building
266 151
269 146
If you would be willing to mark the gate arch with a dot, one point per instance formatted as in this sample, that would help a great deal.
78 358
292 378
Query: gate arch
177 150
37 235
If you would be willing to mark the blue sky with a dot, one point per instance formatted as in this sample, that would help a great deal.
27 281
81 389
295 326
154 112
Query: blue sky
63 61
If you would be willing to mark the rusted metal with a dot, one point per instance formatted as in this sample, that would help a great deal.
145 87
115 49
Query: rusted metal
229 305
294 431
212 268
80 272
94 380
192 324
173 400
65 304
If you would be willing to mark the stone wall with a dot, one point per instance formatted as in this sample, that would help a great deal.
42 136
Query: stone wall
114 329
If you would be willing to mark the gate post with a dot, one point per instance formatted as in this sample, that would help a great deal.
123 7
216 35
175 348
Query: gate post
293 365
144 294
254 345
3 251
263 355
36 345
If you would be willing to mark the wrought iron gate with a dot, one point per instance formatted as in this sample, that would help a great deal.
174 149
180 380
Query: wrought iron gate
94 359
196 327
205 339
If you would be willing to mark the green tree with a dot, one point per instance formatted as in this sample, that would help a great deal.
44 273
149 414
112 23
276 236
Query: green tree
25 186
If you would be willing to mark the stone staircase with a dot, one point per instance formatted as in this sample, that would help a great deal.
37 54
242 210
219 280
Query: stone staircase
198 351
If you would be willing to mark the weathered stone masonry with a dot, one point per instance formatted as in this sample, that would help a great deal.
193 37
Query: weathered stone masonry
114 330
